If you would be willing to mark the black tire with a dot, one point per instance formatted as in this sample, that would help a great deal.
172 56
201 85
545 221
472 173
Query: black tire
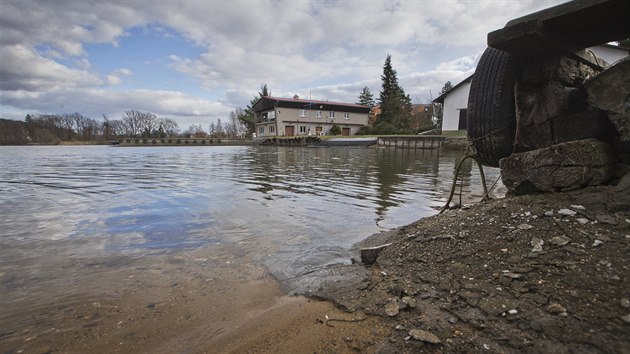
491 111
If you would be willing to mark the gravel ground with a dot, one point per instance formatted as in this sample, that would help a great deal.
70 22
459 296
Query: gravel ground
539 273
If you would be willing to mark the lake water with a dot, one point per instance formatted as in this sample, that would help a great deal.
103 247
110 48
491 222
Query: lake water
300 208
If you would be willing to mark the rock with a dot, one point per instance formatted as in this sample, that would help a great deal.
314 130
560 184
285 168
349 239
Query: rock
524 227
424 336
582 220
609 91
561 167
618 197
556 309
597 243
513 312
626 318
537 243
392 308
369 255
409 301
624 302
566 212
560 240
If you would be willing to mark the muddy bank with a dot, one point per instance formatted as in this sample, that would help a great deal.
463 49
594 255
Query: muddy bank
538 273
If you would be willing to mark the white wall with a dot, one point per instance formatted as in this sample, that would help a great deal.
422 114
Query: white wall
455 100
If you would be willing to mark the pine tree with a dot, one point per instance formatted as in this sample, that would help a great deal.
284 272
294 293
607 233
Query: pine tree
366 98
438 110
246 116
395 104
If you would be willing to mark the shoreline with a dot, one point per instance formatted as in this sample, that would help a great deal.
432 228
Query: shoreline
537 273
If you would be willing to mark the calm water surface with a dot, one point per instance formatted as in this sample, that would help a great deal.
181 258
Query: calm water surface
308 205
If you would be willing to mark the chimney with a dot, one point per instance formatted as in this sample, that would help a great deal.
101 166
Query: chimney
296 97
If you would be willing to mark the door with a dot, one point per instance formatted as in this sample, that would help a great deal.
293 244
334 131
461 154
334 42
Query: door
318 131
345 131
289 130
462 119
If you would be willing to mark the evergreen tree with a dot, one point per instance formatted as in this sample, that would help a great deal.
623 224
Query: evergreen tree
438 110
366 98
246 116
395 104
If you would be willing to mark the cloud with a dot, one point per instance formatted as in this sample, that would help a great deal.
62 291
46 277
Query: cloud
322 49
24 69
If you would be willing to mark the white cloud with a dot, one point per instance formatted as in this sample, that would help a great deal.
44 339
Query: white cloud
24 69
325 49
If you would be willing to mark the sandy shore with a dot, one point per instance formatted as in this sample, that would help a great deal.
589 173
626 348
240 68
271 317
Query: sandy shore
213 300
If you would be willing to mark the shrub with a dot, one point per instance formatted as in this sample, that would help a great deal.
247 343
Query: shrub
335 130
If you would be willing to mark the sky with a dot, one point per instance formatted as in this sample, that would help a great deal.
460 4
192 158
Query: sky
196 61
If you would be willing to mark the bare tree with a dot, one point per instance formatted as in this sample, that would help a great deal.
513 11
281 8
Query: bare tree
132 120
218 129
168 126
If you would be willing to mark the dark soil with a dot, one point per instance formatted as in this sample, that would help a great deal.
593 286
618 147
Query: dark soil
480 280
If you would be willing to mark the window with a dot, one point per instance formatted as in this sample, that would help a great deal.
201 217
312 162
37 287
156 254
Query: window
331 114
346 115
272 115
302 113
319 114
302 130
272 129
265 117
261 130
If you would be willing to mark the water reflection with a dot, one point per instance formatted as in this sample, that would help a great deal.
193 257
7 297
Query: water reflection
306 204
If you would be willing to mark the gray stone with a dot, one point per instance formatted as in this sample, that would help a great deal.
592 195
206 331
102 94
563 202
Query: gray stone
560 240
561 167
369 255
624 302
424 336
566 212
610 91
537 244
619 196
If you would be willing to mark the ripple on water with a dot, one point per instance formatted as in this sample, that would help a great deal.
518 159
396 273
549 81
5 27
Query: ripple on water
309 204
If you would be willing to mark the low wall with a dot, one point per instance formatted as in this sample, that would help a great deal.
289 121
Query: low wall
411 141
167 141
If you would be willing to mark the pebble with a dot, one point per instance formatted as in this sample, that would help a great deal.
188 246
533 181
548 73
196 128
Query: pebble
560 240
525 227
424 336
578 207
626 318
624 302
537 243
566 212
597 243
549 213
409 301
556 309
392 309
582 220
513 312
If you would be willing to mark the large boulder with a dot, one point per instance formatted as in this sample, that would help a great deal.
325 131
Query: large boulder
610 91
561 167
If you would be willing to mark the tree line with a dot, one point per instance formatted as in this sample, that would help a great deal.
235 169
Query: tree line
55 128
